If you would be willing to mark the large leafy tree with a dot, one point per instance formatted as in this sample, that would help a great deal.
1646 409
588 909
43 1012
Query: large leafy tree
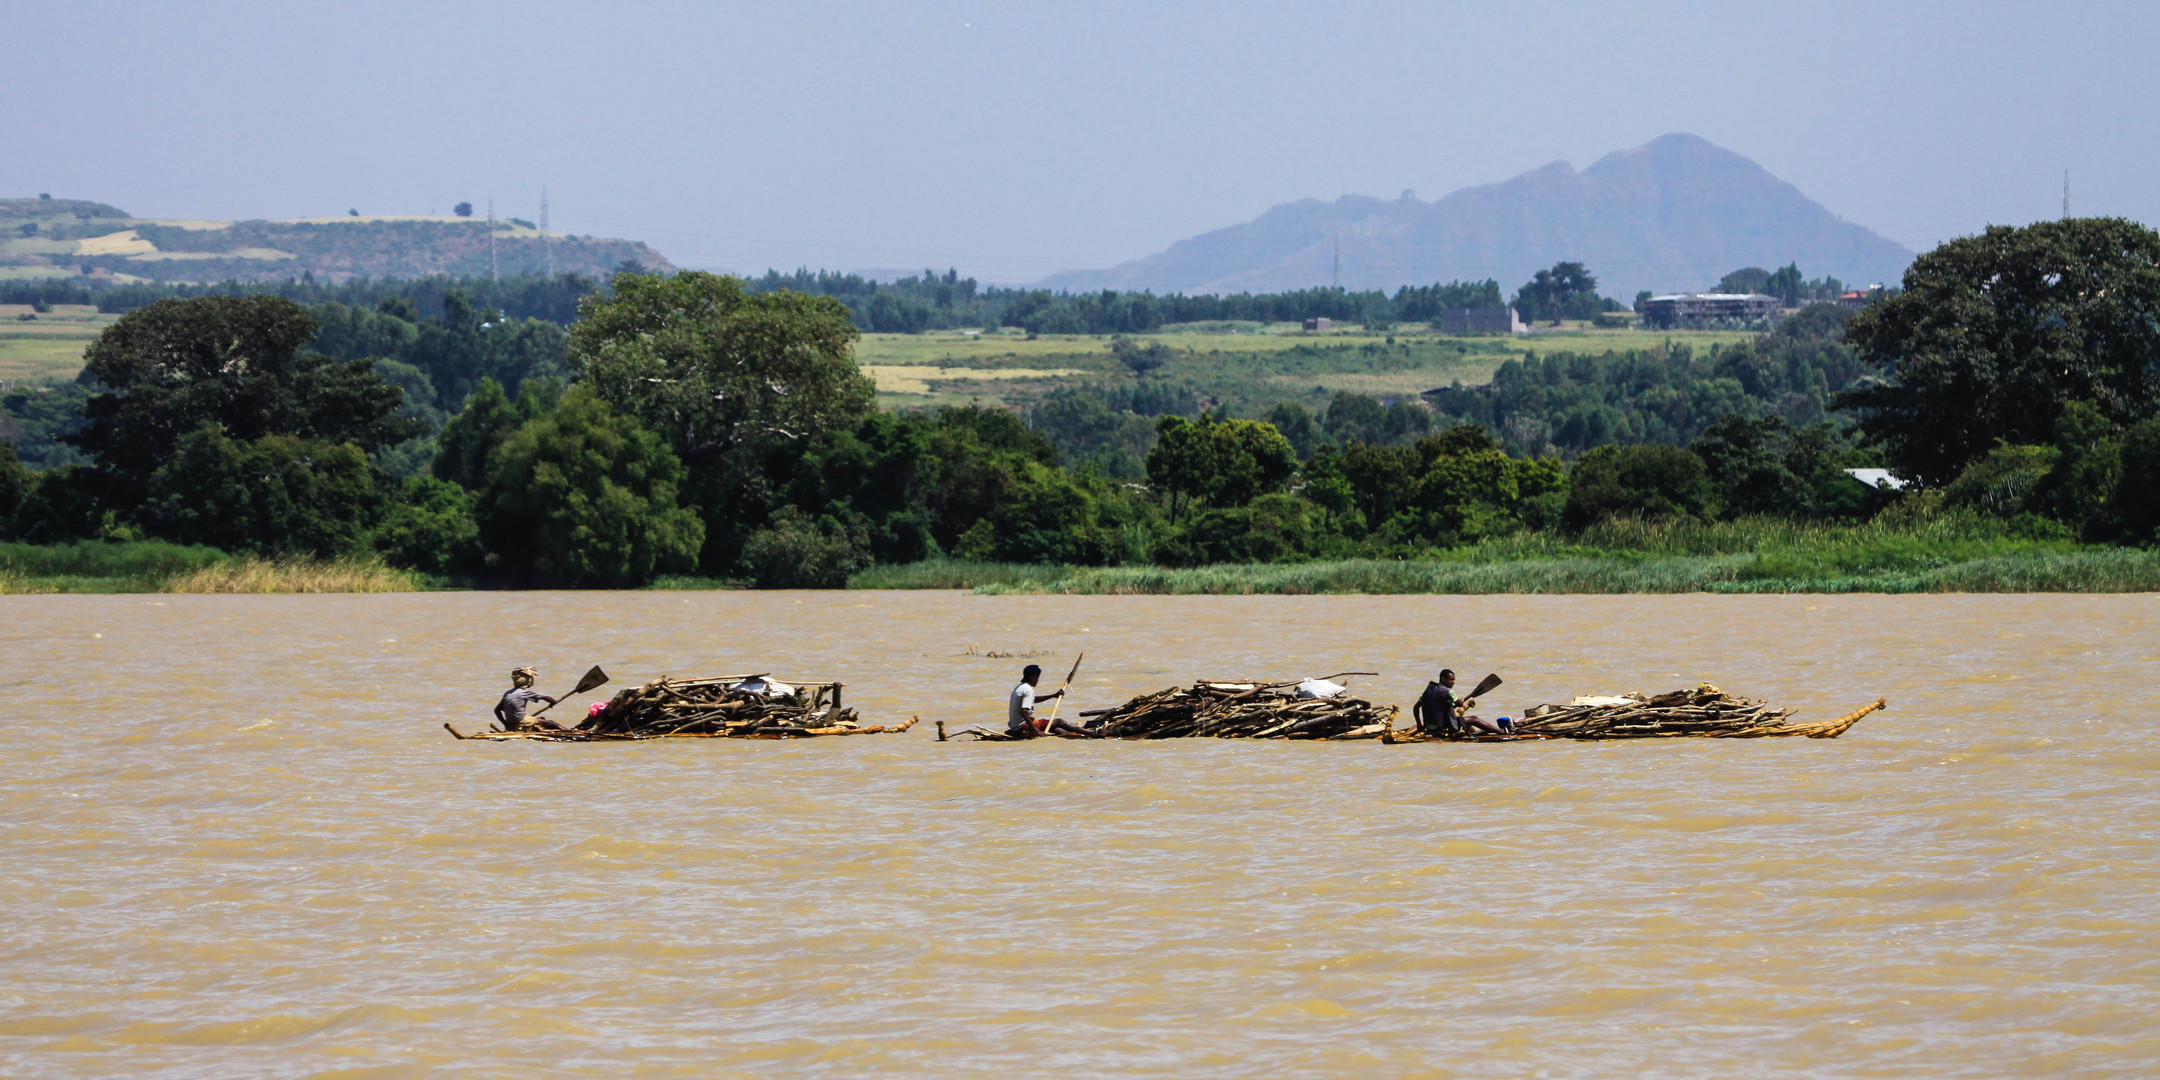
1648 481
276 495
727 377
1218 462
1567 291
233 361
717 369
1995 335
586 497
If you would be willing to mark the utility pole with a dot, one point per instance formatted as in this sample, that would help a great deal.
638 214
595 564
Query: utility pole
545 245
2066 194
1337 280
491 240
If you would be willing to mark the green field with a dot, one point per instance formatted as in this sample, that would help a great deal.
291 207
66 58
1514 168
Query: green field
50 346
1248 370
1247 367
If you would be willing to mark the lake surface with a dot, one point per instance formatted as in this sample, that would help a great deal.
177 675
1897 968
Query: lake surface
237 842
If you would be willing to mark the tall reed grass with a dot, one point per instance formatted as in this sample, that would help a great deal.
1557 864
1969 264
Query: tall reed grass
1942 553
140 559
302 575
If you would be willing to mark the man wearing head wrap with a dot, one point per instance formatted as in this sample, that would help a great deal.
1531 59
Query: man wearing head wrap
1020 718
511 709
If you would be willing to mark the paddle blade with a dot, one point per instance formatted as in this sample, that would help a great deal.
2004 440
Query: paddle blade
1075 668
1485 685
592 678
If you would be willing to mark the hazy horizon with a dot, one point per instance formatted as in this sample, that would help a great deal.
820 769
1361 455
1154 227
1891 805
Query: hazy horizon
1014 141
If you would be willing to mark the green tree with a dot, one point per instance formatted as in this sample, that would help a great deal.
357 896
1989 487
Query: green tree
1787 285
1747 279
235 362
489 417
431 528
1745 459
1218 462
15 483
1356 418
1298 425
796 551
1047 515
2136 499
1993 335
725 376
1647 481
1142 359
273 495
587 497
1567 291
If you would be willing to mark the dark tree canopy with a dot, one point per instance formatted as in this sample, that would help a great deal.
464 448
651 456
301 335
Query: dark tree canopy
1994 335
232 361
1567 291
1649 482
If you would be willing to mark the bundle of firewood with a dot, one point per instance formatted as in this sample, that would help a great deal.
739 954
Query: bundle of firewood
727 707
1702 711
1244 710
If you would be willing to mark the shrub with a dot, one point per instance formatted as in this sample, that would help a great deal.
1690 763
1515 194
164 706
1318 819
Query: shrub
278 494
795 551
586 497
431 528
1649 482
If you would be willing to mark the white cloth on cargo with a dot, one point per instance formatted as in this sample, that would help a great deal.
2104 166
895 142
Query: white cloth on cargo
765 686
1319 689
1606 700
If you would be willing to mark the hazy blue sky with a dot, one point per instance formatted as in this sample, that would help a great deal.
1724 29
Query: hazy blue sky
1012 140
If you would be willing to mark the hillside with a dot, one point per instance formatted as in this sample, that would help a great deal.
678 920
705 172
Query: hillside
1676 213
51 237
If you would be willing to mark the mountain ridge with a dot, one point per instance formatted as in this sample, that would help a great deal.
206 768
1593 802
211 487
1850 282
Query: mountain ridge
1672 214
58 237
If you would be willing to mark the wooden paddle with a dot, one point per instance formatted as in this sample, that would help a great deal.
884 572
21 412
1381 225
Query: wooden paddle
592 678
1484 686
1060 700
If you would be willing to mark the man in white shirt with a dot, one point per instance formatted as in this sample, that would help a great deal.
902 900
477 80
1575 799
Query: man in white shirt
1020 718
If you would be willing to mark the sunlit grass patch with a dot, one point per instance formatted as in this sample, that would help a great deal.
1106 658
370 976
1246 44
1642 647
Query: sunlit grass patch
297 575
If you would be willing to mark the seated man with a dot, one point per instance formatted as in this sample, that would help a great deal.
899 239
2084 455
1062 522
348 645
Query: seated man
510 711
1020 718
1437 712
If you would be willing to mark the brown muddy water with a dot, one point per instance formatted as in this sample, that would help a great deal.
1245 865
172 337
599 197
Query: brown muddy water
238 843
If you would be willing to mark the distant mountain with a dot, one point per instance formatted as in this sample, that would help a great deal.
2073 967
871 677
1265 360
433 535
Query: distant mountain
74 236
1676 213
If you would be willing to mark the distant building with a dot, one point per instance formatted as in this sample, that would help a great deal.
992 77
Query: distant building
1501 320
1858 298
1320 324
1701 309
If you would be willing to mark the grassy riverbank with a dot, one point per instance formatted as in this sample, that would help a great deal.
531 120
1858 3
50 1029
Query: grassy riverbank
155 566
1949 555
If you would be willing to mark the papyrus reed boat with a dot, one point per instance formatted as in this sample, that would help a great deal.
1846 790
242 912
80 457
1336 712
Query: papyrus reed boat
1702 712
722 707
1232 709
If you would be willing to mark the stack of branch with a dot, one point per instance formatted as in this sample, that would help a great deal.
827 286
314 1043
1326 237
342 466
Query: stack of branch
724 707
1700 712
1244 710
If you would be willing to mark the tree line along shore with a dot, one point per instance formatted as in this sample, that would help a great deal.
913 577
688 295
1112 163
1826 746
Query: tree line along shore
691 430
